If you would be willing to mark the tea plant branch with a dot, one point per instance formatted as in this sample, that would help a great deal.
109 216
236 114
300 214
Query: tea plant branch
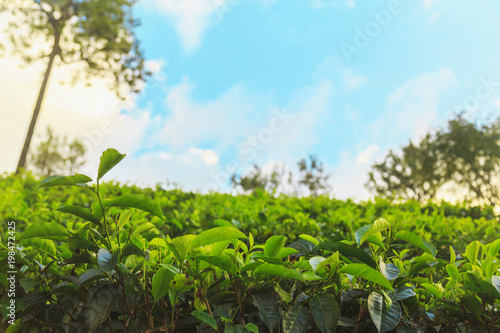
104 216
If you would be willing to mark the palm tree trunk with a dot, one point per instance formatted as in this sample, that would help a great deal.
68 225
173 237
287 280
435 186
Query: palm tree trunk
24 153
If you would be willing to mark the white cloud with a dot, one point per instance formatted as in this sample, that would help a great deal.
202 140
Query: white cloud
352 80
367 155
189 17
225 119
414 107
208 156
429 3
318 4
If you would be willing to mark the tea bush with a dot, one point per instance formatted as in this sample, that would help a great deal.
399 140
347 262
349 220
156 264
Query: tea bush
117 258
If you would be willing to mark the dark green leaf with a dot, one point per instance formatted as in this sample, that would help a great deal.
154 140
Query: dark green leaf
296 319
268 312
206 318
82 212
402 293
383 318
64 180
390 271
136 201
90 275
348 251
45 230
325 311
106 260
100 305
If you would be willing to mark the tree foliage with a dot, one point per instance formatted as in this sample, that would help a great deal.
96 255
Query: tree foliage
311 179
413 174
464 155
96 34
57 154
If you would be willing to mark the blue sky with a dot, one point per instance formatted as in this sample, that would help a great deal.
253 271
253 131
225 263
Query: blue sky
356 78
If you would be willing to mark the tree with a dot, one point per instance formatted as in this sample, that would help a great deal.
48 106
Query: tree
256 178
463 154
414 174
471 155
311 180
57 155
99 34
313 176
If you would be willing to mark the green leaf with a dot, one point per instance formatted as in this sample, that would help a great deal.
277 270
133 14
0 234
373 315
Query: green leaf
472 251
206 318
285 252
45 245
453 255
252 328
402 293
383 318
27 284
106 260
215 235
364 271
278 270
136 201
109 159
103 300
130 249
413 239
452 271
82 212
161 279
180 246
390 271
495 281
64 180
493 249
310 239
45 230
273 245
296 319
268 312
348 251
238 329
221 262
90 275
432 289
377 226
325 311
315 262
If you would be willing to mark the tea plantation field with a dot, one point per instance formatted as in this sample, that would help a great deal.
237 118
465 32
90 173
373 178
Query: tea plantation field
96 256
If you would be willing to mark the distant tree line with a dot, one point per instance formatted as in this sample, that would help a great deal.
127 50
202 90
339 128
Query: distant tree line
465 156
312 179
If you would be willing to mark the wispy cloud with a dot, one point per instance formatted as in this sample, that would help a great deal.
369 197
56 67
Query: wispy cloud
414 107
